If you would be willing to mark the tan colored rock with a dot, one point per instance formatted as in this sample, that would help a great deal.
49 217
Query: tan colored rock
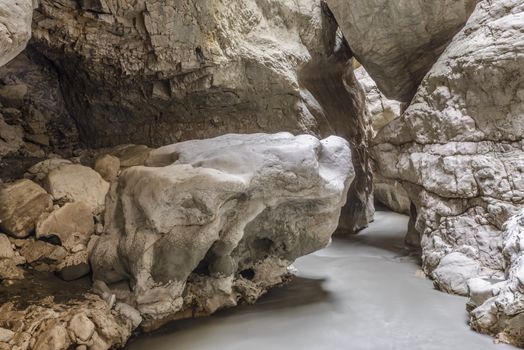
15 27
74 266
131 155
6 251
55 337
13 95
77 183
108 166
9 270
46 324
21 204
71 218
81 328
39 171
226 67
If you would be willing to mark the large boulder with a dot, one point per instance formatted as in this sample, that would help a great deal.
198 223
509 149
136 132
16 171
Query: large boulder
398 41
21 204
15 27
382 111
152 73
208 223
77 183
458 149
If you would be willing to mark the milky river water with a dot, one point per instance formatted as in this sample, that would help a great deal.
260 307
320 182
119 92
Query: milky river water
362 292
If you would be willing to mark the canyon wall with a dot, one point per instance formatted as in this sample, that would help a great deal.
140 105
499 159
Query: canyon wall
458 148
398 41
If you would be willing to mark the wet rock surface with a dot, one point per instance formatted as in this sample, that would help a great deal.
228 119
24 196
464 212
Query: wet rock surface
197 69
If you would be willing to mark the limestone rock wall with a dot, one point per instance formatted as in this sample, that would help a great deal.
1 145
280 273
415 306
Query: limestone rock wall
33 114
331 83
458 149
160 72
398 41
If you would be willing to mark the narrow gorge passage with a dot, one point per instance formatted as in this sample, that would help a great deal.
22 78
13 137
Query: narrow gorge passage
361 292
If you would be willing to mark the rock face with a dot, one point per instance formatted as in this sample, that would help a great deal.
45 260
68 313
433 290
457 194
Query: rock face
382 111
21 204
332 84
72 218
458 149
15 27
497 307
178 70
208 223
398 42
32 104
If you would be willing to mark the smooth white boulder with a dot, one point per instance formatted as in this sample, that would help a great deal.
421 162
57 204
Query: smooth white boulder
502 313
457 149
222 219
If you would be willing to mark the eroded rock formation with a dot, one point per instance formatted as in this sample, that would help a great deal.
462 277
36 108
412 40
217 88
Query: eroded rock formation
497 307
398 42
206 224
458 148
160 72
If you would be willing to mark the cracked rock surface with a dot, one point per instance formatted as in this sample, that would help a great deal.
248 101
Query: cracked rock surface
199 69
458 148
497 307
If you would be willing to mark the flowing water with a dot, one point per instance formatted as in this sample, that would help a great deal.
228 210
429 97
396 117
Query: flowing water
362 292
